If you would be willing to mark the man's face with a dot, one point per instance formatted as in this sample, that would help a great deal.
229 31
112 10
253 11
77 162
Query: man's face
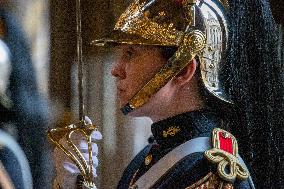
133 67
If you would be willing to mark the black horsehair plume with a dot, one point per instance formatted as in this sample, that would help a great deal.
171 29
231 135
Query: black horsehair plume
257 86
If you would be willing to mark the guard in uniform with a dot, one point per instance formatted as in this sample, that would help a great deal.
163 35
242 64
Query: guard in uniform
212 33
181 155
208 43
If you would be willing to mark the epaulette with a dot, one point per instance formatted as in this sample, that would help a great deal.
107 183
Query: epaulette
224 153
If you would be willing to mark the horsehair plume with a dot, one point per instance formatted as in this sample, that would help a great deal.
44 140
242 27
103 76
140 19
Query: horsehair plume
257 85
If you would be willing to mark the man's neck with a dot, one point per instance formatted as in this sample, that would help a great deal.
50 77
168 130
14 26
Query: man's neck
176 108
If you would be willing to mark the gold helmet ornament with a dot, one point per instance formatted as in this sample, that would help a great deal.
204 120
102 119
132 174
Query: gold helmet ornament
197 28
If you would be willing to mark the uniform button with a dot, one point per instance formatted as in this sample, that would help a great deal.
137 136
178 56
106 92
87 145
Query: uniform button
148 159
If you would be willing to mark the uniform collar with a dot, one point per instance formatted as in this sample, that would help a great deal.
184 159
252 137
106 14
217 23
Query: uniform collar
176 130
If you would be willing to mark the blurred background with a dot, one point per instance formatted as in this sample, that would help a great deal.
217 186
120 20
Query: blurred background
49 28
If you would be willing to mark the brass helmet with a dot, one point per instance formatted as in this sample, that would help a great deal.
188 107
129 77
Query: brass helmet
197 28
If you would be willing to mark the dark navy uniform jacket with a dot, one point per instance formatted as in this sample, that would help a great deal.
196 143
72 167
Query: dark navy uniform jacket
190 169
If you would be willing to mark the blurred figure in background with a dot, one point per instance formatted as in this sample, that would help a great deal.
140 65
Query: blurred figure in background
25 116
14 167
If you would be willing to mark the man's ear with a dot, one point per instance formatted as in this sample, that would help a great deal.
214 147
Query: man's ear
186 74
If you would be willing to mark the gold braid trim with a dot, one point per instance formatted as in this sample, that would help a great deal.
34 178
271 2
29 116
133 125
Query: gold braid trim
211 181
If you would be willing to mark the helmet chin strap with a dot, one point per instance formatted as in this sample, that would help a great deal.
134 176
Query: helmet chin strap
192 43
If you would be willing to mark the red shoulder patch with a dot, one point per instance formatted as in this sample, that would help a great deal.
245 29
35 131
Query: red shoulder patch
224 153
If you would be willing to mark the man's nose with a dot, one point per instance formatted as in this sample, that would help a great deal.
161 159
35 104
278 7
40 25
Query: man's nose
118 70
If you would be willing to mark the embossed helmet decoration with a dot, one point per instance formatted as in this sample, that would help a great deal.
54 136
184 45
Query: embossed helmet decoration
197 28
